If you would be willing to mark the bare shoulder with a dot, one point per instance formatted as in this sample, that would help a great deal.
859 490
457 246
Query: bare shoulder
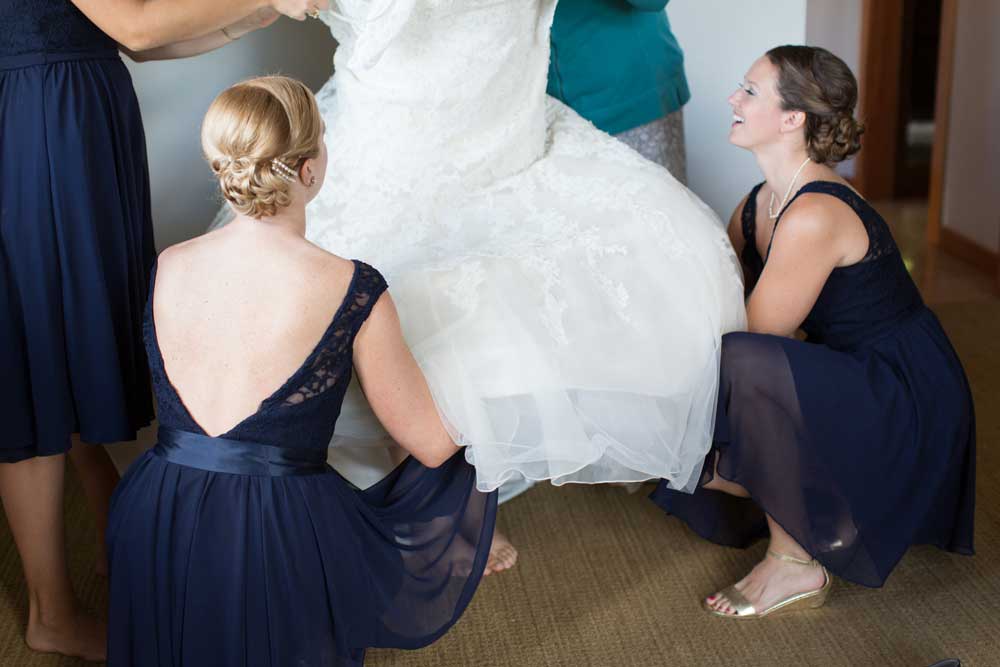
325 265
176 262
812 216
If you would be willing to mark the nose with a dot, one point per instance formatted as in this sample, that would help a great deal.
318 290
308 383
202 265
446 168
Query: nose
734 98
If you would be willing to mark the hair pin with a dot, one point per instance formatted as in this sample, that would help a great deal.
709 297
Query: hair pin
283 171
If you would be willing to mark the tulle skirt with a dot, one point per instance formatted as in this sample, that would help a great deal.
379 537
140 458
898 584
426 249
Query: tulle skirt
568 317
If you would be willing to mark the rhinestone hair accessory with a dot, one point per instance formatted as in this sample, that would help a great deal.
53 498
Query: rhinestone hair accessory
283 171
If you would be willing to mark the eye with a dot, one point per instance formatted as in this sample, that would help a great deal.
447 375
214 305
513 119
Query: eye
745 88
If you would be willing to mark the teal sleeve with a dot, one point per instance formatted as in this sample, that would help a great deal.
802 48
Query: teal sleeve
649 5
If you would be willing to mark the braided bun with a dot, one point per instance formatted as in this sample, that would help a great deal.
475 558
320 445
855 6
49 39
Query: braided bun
250 126
815 81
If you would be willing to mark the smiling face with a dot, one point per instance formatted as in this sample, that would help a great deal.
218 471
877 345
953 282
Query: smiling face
758 119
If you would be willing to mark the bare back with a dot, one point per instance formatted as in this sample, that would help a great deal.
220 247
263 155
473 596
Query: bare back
236 314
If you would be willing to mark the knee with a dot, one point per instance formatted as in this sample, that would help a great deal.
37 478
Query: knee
749 361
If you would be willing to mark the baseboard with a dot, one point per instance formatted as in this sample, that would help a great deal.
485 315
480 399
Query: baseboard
969 251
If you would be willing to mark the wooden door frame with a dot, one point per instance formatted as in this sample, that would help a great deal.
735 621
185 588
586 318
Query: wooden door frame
937 233
942 119
881 52
875 170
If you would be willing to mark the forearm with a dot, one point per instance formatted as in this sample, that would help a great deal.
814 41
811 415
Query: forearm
186 49
143 25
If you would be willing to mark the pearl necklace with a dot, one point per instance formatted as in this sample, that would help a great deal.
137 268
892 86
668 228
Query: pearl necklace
788 192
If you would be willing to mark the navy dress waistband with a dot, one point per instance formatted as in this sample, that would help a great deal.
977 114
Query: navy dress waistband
42 58
241 457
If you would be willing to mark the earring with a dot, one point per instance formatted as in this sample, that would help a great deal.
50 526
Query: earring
312 181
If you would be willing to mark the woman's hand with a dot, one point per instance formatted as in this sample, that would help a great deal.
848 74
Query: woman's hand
299 9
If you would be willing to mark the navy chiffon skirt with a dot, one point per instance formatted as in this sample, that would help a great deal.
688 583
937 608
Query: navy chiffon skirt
216 563
858 454
76 249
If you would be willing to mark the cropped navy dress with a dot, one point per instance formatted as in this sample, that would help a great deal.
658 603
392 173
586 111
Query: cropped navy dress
76 236
248 550
859 441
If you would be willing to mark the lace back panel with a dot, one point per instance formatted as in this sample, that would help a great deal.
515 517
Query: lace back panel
304 411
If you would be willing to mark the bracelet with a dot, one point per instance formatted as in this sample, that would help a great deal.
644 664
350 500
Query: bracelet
228 36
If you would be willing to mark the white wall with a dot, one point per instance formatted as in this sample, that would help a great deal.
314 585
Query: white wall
835 25
971 191
721 39
174 96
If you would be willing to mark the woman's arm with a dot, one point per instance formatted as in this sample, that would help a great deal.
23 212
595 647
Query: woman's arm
396 388
210 42
804 252
140 25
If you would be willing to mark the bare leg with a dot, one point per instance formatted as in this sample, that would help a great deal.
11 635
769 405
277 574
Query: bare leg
774 580
32 494
98 476
503 555
719 484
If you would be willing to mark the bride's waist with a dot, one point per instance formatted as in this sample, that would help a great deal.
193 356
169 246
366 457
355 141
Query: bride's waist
459 148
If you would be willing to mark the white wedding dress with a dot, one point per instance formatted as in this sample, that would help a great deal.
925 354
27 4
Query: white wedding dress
564 297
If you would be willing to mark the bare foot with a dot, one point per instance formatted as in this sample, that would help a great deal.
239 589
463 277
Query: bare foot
83 636
503 555
770 582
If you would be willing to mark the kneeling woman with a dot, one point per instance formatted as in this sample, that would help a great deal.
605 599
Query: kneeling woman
232 542
851 446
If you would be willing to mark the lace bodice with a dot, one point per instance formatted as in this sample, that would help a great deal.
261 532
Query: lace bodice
462 78
47 26
304 410
858 302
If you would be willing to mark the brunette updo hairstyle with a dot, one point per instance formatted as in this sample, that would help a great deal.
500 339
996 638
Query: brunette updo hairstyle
815 81
253 124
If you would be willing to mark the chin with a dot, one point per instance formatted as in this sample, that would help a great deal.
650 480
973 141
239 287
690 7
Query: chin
736 140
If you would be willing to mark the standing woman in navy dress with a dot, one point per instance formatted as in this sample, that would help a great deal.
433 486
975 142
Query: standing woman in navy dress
76 248
846 448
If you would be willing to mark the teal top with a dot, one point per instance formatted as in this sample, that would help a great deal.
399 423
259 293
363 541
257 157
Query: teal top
616 62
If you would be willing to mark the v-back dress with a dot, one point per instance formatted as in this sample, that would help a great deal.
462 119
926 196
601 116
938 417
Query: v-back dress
248 549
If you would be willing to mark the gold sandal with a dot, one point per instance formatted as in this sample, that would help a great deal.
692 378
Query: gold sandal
745 610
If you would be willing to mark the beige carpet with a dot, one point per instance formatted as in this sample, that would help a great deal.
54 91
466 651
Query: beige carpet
606 579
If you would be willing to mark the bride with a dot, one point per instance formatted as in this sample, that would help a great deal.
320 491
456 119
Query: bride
586 289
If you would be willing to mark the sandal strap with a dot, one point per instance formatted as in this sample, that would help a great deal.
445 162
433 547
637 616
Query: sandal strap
738 602
812 562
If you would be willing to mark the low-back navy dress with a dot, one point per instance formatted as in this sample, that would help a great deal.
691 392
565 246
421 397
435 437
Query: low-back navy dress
76 235
248 549
859 441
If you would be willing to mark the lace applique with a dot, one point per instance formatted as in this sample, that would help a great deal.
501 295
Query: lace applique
333 357
34 26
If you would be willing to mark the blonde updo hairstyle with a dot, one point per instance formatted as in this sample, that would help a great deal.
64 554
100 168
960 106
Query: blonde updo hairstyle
815 81
247 128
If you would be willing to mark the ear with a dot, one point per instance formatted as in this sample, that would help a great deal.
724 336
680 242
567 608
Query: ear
306 172
793 121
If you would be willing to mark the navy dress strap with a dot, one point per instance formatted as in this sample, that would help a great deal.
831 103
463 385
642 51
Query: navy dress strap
880 241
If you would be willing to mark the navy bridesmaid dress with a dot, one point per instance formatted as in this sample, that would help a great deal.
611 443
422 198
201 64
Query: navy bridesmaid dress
859 441
76 236
247 549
